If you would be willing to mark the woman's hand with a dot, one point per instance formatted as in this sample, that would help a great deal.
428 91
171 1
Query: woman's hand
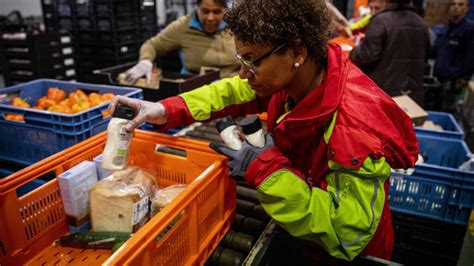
241 159
152 112
143 68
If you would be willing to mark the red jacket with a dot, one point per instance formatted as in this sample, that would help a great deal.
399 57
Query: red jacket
368 124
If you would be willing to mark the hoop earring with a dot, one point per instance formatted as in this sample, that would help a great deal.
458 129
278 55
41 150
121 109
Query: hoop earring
297 65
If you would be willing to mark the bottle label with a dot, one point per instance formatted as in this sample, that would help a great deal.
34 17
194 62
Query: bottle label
122 147
140 210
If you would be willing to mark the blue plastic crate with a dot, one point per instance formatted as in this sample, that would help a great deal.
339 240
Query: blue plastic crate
45 133
451 129
437 189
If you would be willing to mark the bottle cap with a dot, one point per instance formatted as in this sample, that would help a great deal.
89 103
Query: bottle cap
124 111
250 124
224 123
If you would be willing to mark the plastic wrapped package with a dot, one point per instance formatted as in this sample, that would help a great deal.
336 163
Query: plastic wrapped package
165 196
121 201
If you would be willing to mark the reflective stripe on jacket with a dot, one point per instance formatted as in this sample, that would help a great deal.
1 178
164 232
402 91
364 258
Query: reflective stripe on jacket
326 180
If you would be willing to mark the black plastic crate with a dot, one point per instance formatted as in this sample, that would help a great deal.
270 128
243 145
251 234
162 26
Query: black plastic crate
88 64
115 37
38 55
49 39
113 23
32 45
85 23
115 9
83 8
171 84
31 56
32 65
433 94
422 241
60 74
58 14
148 20
108 50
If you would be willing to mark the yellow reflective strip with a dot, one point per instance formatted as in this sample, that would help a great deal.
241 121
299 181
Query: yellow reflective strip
328 132
281 117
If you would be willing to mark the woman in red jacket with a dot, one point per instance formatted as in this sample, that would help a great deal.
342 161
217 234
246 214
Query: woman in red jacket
324 171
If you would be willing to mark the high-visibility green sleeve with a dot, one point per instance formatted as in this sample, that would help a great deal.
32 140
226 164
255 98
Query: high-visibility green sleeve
361 23
204 101
342 219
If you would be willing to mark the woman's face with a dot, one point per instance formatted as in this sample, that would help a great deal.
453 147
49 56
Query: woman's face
210 15
272 71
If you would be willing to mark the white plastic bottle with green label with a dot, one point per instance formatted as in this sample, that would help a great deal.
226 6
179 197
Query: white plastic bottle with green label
115 155
229 133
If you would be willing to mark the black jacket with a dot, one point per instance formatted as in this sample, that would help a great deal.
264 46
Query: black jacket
454 51
394 51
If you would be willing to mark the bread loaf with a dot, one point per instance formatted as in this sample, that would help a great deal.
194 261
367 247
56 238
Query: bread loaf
165 196
121 202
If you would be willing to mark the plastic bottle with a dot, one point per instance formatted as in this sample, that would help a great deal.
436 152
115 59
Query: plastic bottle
252 129
229 133
115 155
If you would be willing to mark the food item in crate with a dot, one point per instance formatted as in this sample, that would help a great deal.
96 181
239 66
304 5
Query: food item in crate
101 172
154 82
115 155
428 124
17 102
75 185
56 94
165 196
95 240
56 101
421 159
121 201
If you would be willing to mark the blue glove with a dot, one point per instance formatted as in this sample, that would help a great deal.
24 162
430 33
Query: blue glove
240 159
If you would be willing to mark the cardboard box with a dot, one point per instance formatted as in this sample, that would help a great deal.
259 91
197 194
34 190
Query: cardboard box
417 114
75 185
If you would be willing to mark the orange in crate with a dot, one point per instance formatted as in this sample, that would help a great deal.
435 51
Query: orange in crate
185 232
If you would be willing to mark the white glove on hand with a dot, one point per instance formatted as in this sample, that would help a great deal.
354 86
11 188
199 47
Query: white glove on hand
151 112
143 68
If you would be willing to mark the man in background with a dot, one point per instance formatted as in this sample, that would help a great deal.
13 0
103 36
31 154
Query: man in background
454 53
393 53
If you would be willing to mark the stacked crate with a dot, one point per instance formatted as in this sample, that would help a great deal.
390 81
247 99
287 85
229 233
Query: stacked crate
29 56
58 14
431 206
106 32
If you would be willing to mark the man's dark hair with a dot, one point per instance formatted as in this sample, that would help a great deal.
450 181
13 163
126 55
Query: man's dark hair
277 22
221 2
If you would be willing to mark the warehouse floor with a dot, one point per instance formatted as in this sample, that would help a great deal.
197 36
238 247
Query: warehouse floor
467 256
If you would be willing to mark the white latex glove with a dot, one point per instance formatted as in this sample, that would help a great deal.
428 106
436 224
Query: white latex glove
151 112
142 68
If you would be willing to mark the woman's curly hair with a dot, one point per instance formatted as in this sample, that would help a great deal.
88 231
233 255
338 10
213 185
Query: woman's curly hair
276 22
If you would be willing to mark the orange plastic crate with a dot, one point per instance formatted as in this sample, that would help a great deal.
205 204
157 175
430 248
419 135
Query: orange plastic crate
200 216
